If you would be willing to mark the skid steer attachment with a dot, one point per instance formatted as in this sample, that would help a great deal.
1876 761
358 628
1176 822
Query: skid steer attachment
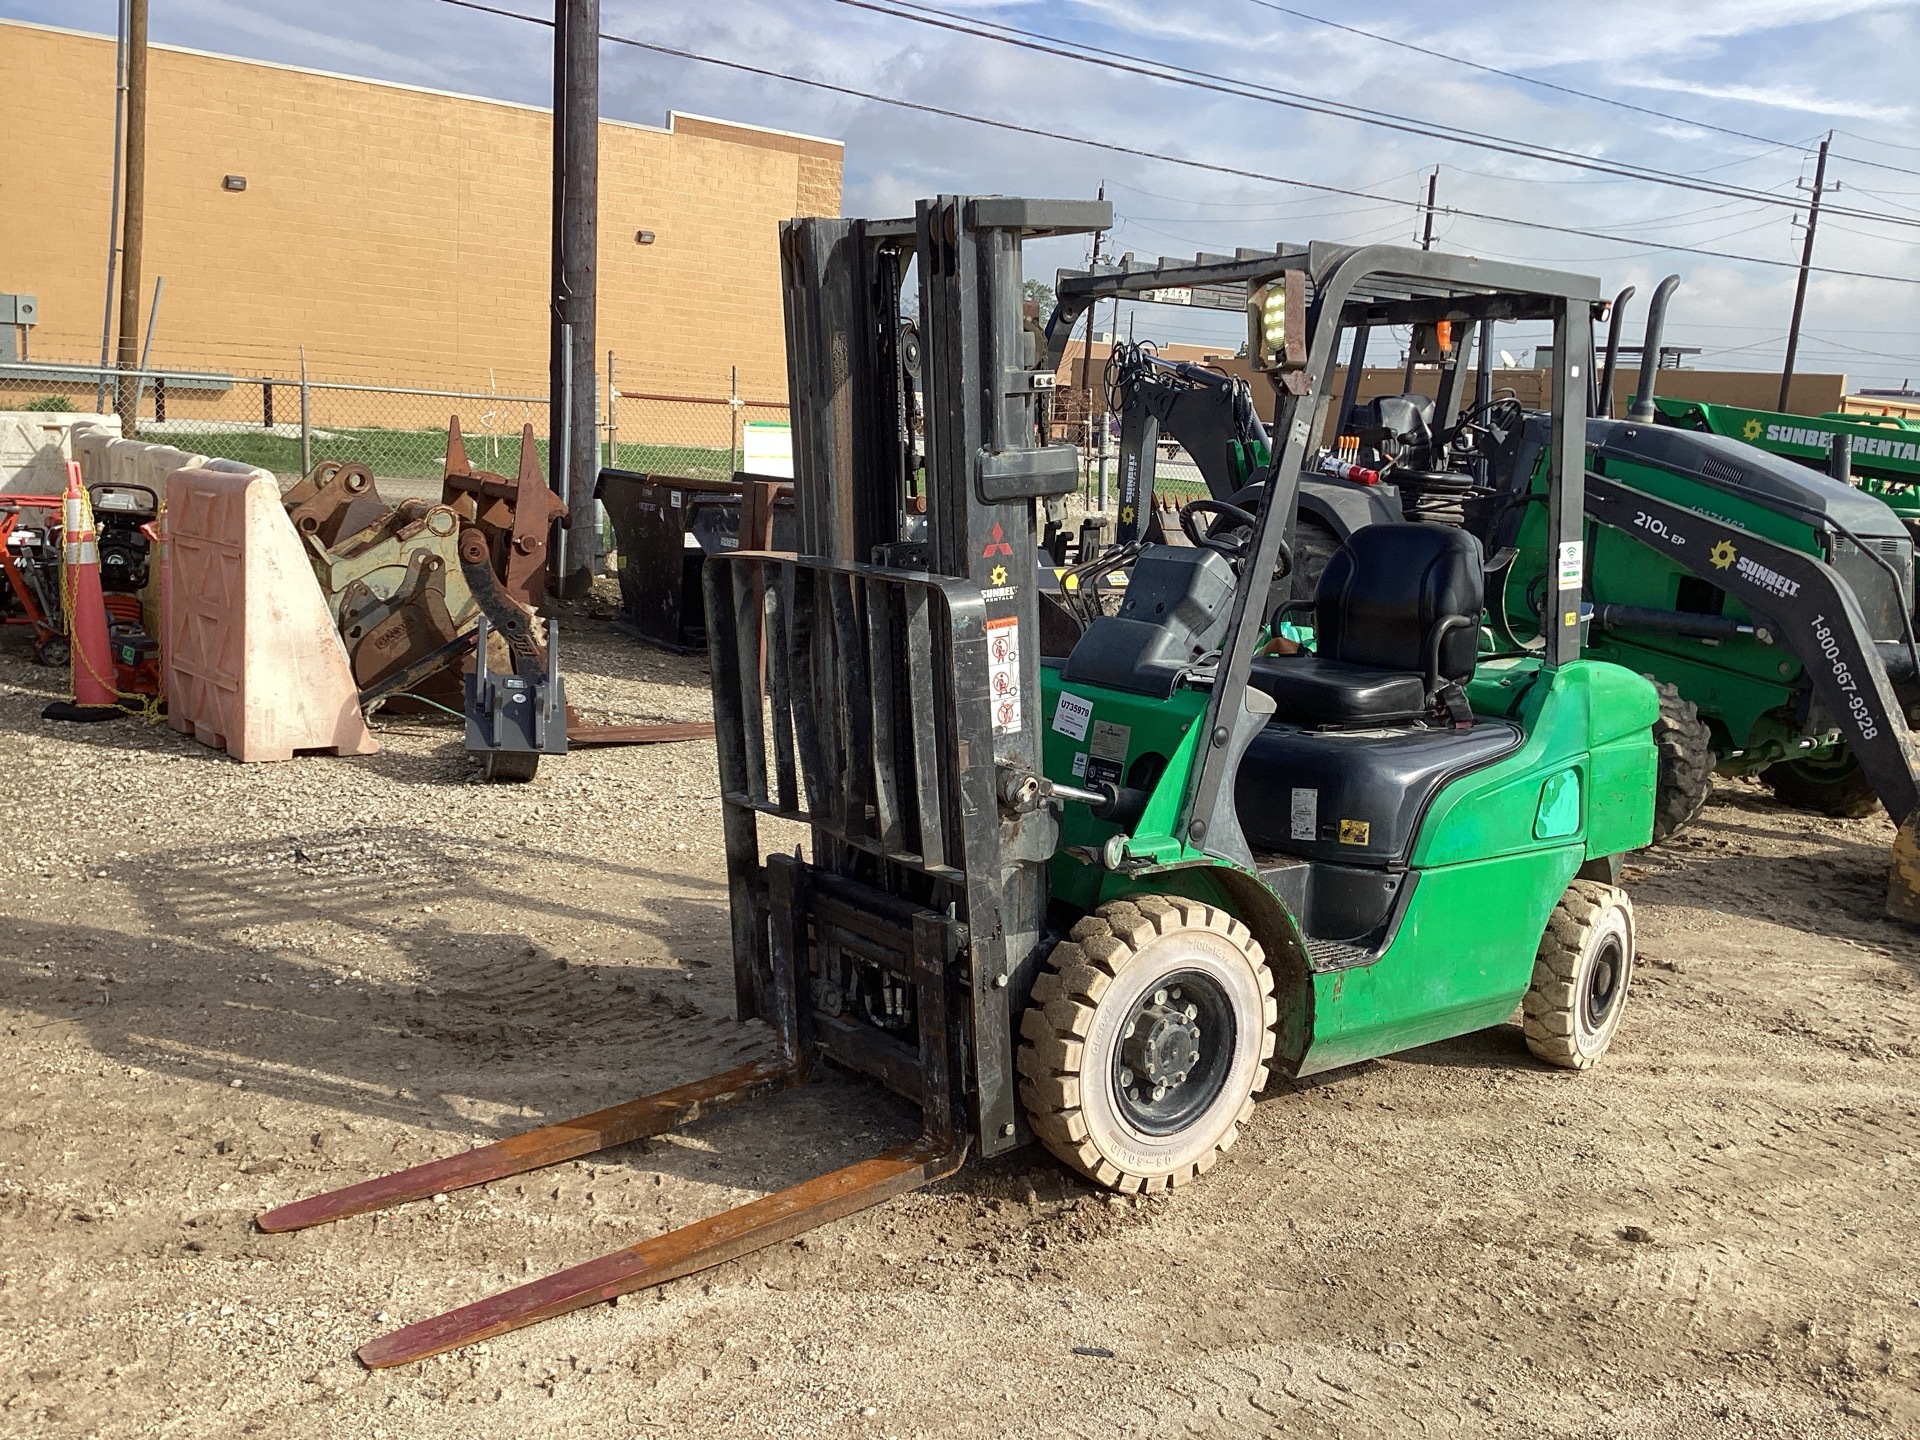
879 688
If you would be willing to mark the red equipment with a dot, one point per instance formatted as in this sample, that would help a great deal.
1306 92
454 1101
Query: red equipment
30 563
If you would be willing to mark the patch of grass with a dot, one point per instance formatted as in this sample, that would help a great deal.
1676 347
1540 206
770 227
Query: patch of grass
421 454
49 402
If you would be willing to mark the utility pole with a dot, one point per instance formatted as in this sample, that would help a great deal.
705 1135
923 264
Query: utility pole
126 399
1086 376
113 204
1806 261
1426 243
573 442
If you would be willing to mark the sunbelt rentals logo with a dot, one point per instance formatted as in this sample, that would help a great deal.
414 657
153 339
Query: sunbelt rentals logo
1725 557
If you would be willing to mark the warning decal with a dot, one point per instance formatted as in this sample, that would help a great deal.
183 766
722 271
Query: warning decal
1304 821
1003 674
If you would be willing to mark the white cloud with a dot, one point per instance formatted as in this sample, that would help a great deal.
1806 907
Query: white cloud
1760 66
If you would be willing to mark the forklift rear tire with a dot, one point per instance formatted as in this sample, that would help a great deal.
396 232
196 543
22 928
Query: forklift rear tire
510 766
1837 787
1580 976
1685 747
1147 1039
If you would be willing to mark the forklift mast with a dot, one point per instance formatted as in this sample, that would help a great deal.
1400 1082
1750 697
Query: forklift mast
901 675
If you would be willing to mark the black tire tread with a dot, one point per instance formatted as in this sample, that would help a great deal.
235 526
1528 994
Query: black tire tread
1685 747
1842 795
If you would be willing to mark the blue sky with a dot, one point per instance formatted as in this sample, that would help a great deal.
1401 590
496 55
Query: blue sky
1784 70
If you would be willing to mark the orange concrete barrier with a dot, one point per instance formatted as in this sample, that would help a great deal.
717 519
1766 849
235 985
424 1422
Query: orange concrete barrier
254 663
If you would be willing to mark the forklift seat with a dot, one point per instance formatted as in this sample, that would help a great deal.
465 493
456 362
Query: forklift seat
1396 622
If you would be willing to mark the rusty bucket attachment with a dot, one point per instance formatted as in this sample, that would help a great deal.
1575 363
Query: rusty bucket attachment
1903 880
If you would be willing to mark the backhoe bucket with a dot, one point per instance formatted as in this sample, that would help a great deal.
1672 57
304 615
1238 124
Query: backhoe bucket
1903 881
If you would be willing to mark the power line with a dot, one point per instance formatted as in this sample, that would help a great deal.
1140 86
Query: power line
1244 88
1803 146
1527 79
1139 152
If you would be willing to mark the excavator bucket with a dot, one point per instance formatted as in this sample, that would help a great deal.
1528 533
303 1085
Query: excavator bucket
1903 881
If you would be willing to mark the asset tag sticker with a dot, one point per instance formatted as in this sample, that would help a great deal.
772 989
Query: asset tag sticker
1305 820
1572 564
674 495
1072 716
1003 674
1080 765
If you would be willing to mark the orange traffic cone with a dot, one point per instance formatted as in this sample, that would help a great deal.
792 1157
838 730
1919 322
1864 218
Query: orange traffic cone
94 697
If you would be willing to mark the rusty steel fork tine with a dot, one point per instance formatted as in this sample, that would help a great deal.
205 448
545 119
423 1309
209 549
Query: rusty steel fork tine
705 1243
548 1145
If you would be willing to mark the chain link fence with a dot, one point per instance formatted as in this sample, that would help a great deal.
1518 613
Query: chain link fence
690 427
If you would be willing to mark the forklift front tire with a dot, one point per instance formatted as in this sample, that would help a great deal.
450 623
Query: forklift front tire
1580 976
1147 1039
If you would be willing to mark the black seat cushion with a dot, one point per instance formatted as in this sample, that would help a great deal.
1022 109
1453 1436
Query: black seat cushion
1387 588
1354 797
1312 691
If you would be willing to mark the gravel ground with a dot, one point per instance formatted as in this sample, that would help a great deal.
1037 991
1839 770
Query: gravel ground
226 987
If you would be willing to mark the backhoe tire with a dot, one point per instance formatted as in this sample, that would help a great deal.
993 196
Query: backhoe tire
1147 1039
1837 787
1314 544
1580 976
1685 746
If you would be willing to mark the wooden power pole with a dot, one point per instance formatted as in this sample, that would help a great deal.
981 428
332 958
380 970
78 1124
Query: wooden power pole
576 195
1806 262
1086 371
127 356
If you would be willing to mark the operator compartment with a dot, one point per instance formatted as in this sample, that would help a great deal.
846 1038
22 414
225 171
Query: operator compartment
1367 731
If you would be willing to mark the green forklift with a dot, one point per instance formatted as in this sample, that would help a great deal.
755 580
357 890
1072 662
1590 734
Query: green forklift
1771 604
1097 900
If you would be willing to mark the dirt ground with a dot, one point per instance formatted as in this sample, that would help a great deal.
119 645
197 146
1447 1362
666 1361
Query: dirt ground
227 987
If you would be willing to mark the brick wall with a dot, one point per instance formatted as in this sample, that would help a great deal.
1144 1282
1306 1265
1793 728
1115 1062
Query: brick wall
399 234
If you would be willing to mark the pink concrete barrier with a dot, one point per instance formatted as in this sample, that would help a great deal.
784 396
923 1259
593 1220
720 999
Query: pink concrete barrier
254 663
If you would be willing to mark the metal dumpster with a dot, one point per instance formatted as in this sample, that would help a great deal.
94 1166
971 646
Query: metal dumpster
664 527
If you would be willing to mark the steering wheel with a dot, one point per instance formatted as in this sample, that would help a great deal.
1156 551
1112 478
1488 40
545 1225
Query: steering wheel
1232 549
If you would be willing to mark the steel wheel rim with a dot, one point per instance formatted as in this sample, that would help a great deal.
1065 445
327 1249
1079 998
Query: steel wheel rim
1154 1048
1605 981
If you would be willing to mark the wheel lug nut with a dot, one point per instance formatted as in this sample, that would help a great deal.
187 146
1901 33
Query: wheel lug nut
1127 1034
1191 1011
1126 1079
1159 997
1159 1092
1193 1059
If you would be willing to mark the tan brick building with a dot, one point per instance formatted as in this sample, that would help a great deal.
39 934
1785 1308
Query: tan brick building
399 234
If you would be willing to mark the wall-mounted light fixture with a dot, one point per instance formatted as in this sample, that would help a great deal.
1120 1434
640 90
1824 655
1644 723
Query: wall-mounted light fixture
643 237
233 182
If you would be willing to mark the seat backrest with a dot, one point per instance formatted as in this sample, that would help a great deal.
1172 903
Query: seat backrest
1389 586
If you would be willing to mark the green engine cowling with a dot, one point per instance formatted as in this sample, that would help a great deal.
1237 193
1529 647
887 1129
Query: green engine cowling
1670 622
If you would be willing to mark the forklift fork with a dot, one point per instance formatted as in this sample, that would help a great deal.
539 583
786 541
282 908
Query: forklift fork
939 1151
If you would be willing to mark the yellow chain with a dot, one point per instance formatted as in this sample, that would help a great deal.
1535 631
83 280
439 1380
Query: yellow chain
149 708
